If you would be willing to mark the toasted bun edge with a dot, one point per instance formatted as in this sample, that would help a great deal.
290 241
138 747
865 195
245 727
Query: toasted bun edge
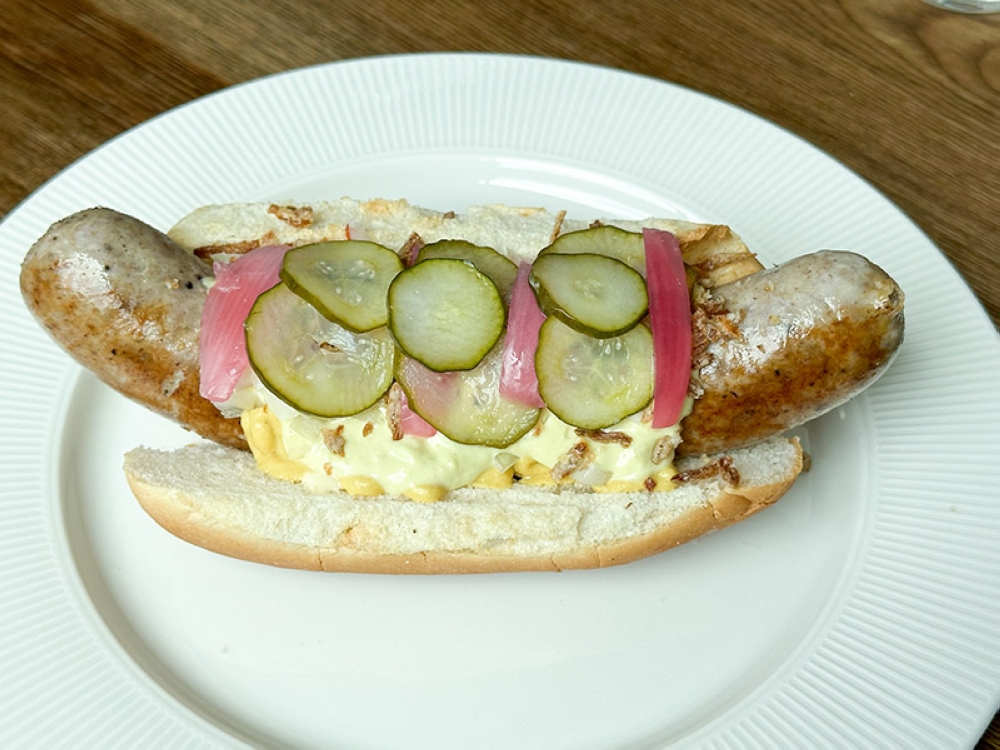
188 513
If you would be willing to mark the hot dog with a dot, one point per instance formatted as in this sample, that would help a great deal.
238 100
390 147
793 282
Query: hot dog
81 280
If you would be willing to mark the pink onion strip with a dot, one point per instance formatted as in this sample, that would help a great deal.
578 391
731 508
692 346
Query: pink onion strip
412 423
670 322
223 349
518 380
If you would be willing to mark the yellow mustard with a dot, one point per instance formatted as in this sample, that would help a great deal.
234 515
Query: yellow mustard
263 432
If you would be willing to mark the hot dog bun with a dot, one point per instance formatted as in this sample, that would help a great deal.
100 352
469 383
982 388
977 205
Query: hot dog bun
217 499
214 497
516 232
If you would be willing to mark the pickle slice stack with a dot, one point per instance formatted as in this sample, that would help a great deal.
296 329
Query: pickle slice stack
501 270
594 360
445 313
348 320
313 364
605 240
595 294
345 281
466 406
593 382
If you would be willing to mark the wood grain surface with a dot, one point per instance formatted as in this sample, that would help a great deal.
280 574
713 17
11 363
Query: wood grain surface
905 94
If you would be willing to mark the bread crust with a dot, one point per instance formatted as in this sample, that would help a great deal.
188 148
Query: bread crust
179 505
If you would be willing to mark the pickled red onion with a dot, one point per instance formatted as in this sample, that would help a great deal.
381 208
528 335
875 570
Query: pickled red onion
223 351
670 322
518 380
412 423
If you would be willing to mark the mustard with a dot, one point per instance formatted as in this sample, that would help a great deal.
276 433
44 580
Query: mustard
426 493
494 479
361 486
263 433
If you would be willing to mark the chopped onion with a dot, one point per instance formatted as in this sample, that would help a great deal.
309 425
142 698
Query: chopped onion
670 322
590 474
223 350
503 461
518 380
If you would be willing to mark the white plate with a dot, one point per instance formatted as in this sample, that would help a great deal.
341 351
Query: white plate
862 610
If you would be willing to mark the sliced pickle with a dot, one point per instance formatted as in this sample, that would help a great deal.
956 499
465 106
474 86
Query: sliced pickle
466 406
593 383
445 314
594 294
606 240
312 363
501 270
346 281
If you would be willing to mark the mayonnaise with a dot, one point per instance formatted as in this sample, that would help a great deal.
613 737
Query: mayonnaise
358 454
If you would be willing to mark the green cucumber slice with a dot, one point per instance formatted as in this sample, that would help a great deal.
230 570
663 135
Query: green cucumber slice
313 364
346 281
501 270
594 294
593 383
445 314
606 240
466 406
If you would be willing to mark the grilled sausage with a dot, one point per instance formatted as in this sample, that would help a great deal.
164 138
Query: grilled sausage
125 301
782 346
772 350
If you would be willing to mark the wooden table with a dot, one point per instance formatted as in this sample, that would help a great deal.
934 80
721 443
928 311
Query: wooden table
904 94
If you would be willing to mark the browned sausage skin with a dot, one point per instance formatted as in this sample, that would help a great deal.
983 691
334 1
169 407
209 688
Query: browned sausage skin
772 350
125 301
782 346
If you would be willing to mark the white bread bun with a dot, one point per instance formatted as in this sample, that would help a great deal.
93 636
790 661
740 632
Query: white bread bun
719 254
215 497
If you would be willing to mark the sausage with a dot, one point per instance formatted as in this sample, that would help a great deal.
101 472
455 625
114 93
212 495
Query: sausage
782 346
125 301
772 350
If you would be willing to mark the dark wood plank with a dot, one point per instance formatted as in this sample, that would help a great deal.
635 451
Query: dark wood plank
73 77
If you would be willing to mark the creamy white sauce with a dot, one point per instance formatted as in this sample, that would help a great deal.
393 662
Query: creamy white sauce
400 465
